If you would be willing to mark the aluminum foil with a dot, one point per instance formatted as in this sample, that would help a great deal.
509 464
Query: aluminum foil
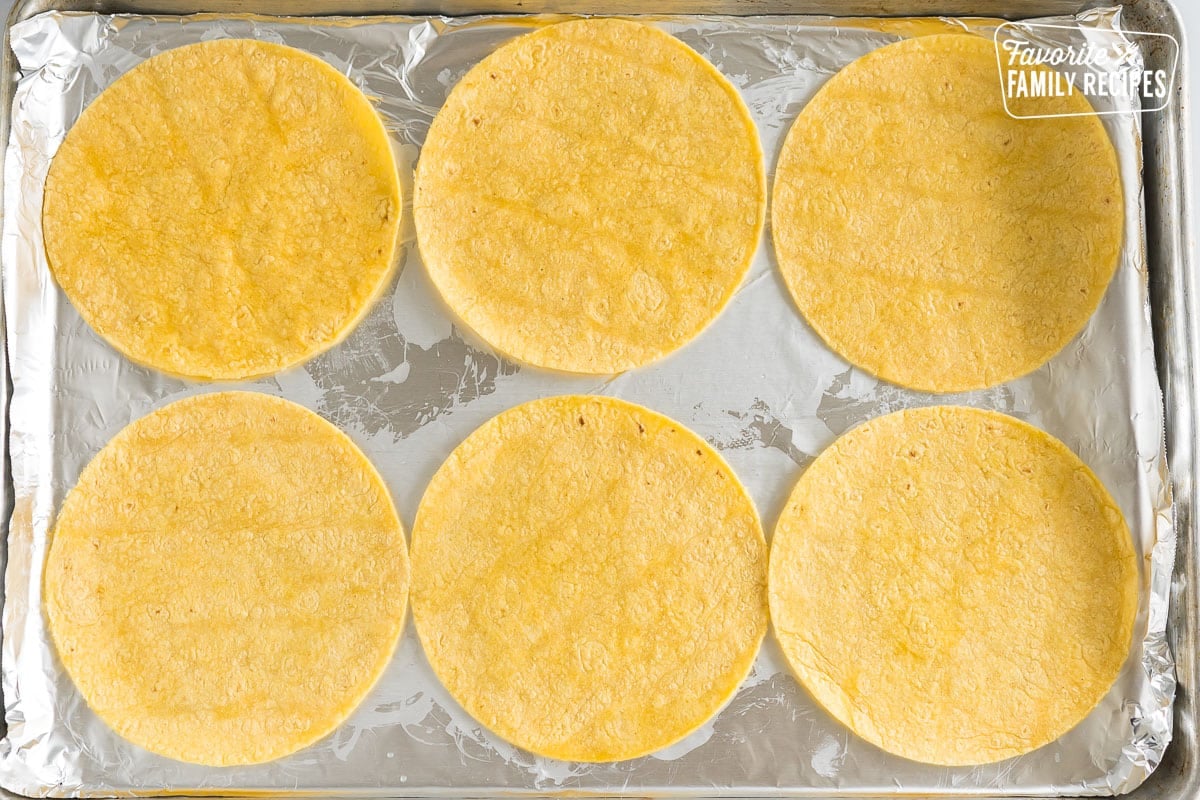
410 383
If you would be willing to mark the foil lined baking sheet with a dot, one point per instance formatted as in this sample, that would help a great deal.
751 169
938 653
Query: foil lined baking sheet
409 384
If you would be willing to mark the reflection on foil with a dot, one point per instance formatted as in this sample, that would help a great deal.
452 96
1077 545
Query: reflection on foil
378 381
763 429
408 386
843 405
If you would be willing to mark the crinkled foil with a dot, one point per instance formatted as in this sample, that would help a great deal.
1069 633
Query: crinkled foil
410 383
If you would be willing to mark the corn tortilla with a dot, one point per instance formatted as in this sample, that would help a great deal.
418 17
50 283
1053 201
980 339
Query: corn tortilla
589 578
224 210
227 579
930 238
590 196
953 585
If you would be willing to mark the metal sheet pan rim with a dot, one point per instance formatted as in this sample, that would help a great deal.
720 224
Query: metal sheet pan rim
6 122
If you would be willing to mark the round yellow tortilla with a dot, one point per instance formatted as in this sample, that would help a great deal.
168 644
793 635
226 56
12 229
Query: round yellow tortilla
589 578
953 585
933 240
225 210
227 580
590 196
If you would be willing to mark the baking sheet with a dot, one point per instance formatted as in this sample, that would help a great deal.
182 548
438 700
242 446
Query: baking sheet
409 384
